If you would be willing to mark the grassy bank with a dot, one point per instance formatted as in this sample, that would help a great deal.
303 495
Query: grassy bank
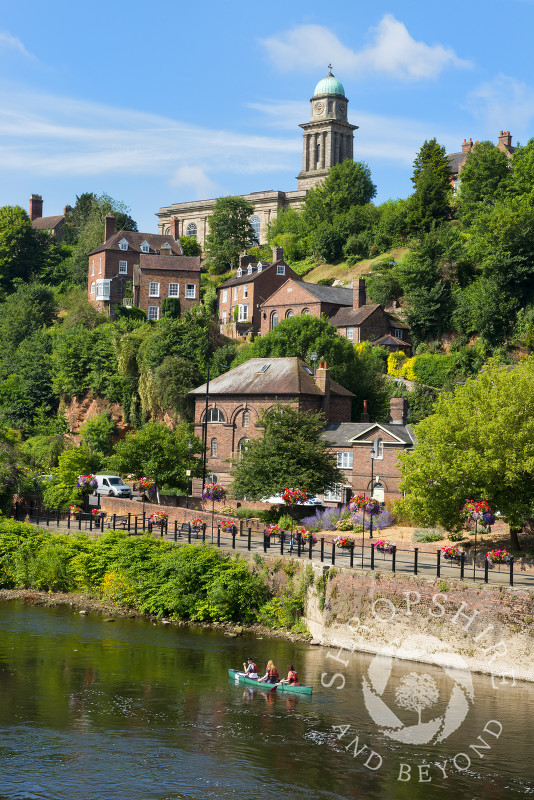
191 582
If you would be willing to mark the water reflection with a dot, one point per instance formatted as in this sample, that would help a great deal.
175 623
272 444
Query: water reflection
95 710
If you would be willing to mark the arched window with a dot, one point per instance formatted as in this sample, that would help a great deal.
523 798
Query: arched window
246 419
242 445
289 314
215 415
167 232
255 224
191 230
274 320
305 311
214 448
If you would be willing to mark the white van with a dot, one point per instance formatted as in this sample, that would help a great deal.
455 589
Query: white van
113 486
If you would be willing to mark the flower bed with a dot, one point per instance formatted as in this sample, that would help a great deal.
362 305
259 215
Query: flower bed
344 542
451 553
498 556
292 497
383 546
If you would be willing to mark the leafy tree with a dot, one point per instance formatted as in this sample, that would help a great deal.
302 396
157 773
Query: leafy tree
71 463
487 309
291 453
230 232
356 370
171 307
383 288
22 249
431 201
347 184
24 312
159 452
97 434
190 246
42 452
478 444
484 179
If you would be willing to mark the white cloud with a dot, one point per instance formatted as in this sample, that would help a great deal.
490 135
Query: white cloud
504 103
196 178
392 51
8 43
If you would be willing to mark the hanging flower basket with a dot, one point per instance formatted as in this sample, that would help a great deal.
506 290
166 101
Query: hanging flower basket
383 546
358 502
343 542
227 526
292 497
307 536
214 491
75 511
158 517
452 553
86 483
146 484
97 512
273 529
373 507
498 556
476 511
197 523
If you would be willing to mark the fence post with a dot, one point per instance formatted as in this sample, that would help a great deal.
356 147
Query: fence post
249 540
486 570
80 521
372 557
37 514
462 565
310 546
175 529
91 522
47 517
415 559
298 544
265 537
135 525
68 520
129 515
203 532
512 571
144 520
438 564
234 533
188 533
58 513
394 558
282 535
161 524
114 521
333 554
352 554
219 535
322 549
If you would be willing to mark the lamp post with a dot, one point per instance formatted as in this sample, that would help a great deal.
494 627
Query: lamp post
190 447
374 454
205 431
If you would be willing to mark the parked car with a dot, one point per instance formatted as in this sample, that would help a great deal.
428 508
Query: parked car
112 486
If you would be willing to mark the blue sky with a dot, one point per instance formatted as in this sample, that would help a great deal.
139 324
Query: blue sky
171 101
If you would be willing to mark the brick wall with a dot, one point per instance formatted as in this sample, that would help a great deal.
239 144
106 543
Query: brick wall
164 277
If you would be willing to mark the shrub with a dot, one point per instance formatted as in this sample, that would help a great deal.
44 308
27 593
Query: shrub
285 522
427 535
344 525
456 536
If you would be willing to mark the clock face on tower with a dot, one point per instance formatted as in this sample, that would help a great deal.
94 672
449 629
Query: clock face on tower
319 107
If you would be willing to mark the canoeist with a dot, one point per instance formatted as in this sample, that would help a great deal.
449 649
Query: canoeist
251 670
292 676
271 676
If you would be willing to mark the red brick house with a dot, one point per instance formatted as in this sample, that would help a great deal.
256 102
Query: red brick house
346 308
237 398
52 225
243 294
140 269
353 441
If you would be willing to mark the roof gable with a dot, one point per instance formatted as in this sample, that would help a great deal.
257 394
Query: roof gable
375 429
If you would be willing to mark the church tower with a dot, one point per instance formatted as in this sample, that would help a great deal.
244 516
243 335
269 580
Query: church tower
328 136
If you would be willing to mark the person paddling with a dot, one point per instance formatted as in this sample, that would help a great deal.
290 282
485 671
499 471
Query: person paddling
292 676
272 675
251 670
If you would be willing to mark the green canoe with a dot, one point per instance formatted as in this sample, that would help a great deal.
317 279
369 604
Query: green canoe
240 678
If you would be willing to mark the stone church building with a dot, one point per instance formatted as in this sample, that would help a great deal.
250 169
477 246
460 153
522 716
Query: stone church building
327 140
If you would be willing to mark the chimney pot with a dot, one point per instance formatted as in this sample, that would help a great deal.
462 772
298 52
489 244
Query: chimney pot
36 206
364 416
109 226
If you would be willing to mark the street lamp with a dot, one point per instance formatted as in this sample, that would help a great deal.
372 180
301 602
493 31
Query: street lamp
190 447
374 454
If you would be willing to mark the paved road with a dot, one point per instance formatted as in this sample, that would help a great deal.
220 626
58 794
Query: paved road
404 559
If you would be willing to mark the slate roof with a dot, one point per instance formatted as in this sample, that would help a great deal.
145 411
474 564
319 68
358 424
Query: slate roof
340 295
390 341
455 161
340 433
148 261
135 239
45 223
284 376
352 316
246 278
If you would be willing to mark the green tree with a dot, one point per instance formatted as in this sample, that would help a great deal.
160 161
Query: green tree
22 249
347 184
484 179
478 444
97 434
171 307
292 453
71 464
431 201
190 246
230 232
158 452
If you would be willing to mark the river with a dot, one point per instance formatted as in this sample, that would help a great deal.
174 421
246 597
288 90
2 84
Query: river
130 709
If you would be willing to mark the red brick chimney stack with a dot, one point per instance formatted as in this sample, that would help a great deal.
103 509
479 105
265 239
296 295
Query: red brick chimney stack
505 138
364 416
278 253
36 206
398 409
322 379
109 226
467 146
359 296
174 228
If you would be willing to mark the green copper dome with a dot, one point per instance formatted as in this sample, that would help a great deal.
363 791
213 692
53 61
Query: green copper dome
329 84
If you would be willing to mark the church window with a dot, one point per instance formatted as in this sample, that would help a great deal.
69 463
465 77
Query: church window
318 153
255 225
191 230
305 311
274 320
242 446
214 447
289 314
215 415
246 419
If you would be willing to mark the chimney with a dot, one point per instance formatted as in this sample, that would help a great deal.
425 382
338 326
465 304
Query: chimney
505 139
359 296
278 253
398 409
174 228
36 206
364 416
245 260
109 226
467 146
322 379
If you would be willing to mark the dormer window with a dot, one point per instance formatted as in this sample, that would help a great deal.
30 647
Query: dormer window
165 246
259 267
123 244
145 247
249 270
239 272
280 269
